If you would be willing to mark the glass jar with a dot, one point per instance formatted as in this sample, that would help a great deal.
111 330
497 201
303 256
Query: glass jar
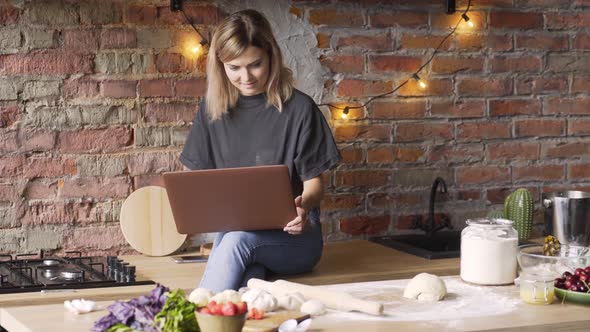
488 252
536 288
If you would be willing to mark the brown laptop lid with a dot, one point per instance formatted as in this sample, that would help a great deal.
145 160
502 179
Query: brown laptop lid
230 199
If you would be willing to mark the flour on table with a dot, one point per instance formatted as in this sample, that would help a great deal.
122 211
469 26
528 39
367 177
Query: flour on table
462 301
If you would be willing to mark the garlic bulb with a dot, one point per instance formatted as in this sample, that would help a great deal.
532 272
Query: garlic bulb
260 299
228 295
200 296
291 301
80 306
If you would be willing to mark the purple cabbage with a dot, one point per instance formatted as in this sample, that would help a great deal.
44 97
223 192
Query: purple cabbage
137 313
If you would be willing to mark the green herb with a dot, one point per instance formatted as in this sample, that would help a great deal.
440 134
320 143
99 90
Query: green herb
178 314
121 328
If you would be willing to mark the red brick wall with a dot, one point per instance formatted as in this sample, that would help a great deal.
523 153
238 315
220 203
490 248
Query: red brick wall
506 107
96 100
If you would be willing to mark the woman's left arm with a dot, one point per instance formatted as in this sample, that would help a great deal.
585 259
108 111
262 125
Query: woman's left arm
313 191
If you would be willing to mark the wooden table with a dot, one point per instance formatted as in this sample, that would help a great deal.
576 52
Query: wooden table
343 262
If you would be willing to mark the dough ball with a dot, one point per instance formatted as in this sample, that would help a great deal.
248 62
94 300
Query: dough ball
228 295
291 301
426 287
200 296
313 307
260 299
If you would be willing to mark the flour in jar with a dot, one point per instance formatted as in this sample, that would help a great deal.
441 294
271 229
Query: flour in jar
488 257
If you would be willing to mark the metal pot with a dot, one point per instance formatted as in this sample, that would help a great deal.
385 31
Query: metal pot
567 216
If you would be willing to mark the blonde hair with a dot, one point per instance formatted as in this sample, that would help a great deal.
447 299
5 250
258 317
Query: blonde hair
231 38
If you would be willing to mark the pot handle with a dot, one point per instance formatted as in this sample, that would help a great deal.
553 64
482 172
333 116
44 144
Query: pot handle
547 203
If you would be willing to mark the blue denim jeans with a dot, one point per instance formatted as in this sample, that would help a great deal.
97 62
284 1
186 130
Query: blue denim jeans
241 255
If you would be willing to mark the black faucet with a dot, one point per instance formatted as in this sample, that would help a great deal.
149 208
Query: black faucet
443 189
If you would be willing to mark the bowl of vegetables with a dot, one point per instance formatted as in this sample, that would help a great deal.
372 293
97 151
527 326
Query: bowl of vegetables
227 317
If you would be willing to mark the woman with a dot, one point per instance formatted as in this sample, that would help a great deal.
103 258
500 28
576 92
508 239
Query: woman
252 116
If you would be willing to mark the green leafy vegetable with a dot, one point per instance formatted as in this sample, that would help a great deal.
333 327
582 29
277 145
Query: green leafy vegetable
178 314
121 328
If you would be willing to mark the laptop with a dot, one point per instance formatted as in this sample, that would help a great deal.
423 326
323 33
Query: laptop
230 199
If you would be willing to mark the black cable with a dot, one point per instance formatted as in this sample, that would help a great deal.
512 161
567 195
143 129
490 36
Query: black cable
203 41
347 108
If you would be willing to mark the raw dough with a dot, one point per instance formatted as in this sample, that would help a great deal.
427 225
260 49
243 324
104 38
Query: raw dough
291 301
260 299
313 307
334 300
200 296
426 287
228 295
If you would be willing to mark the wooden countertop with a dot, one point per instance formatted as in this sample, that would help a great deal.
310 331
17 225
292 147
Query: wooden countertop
342 262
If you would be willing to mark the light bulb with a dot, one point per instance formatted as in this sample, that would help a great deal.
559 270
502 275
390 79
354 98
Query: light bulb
467 20
420 82
197 49
344 114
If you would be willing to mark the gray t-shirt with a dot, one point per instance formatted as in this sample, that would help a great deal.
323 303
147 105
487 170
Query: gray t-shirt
253 134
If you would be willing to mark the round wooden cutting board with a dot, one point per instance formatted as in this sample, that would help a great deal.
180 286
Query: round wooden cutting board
147 222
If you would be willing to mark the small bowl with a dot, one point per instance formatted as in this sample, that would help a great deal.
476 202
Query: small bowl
215 323
531 259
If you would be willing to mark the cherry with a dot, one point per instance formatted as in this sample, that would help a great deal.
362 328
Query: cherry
583 289
579 284
559 284
583 277
573 288
568 284
578 271
587 269
566 274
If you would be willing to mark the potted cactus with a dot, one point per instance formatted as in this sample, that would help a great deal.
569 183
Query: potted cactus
519 208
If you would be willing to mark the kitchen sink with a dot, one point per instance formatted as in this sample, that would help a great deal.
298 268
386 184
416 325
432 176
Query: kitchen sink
437 245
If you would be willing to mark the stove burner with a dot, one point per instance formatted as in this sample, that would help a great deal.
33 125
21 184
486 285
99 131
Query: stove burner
31 272
51 262
71 274
49 272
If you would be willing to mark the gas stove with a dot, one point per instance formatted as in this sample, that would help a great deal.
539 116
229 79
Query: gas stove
34 272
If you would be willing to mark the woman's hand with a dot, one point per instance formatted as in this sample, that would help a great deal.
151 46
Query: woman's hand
297 225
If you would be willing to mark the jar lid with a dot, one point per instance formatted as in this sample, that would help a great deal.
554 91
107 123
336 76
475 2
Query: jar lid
489 222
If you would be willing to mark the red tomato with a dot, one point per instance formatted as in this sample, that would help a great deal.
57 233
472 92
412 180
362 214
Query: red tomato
228 309
242 307
214 308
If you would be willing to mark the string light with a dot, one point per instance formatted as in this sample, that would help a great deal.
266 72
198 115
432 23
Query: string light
415 76
420 82
467 20
345 113
345 110
203 41
198 49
